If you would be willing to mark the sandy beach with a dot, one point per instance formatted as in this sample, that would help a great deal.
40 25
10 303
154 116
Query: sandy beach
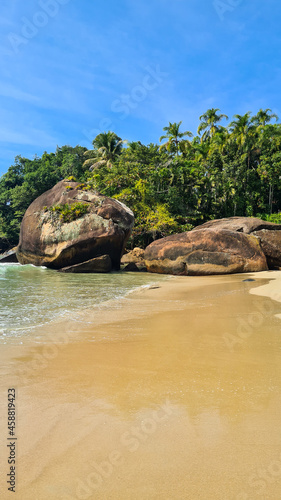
174 393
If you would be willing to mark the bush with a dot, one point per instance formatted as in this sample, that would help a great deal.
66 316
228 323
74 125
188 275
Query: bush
64 213
275 218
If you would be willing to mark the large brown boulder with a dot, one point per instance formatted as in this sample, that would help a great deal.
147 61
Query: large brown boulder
205 252
268 234
101 228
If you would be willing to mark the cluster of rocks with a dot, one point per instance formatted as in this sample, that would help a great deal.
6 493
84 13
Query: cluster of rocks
95 241
223 246
134 260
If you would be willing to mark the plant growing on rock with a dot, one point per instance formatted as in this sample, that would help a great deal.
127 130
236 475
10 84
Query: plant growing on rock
63 213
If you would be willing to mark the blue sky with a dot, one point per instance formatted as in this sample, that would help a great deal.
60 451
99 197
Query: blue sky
74 68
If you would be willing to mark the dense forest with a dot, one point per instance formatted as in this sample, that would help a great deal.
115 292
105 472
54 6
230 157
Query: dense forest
171 186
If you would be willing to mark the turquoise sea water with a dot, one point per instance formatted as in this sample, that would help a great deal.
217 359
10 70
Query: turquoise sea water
32 296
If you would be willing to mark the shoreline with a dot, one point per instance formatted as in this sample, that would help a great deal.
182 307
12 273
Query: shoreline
60 298
165 294
271 289
154 389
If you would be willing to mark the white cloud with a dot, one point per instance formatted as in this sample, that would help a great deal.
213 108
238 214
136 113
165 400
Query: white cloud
8 90
30 136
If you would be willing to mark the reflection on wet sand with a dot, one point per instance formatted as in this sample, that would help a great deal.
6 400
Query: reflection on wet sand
175 395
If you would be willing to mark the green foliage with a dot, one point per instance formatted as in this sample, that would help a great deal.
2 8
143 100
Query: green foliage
275 218
107 147
174 137
226 171
85 186
61 213
28 179
208 123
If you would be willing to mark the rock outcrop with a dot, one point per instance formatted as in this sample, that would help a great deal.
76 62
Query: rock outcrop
268 234
134 260
136 255
98 265
205 252
270 241
98 226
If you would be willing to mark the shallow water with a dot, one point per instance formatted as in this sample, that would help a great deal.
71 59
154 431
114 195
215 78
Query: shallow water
182 403
32 296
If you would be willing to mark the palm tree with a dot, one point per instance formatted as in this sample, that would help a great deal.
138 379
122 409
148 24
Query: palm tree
263 117
241 128
185 147
174 136
244 133
220 140
107 146
209 122
200 149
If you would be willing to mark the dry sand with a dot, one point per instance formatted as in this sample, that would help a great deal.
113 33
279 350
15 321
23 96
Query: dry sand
175 395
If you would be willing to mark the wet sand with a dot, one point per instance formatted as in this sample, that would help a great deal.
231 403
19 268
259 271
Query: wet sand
173 394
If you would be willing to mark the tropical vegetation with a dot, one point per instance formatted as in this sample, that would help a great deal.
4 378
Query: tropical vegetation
225 170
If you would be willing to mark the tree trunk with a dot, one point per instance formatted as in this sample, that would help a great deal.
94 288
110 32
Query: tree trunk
270 198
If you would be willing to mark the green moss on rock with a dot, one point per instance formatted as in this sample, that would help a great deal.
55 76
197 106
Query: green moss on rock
63 213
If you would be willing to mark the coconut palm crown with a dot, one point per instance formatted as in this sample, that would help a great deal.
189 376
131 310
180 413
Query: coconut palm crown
107 146
209 121
174 137
263 117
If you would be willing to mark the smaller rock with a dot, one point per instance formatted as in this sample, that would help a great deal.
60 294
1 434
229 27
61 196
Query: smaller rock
249 279
141 267
136 255
270 242
100 264
8 257
131 267
134 260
